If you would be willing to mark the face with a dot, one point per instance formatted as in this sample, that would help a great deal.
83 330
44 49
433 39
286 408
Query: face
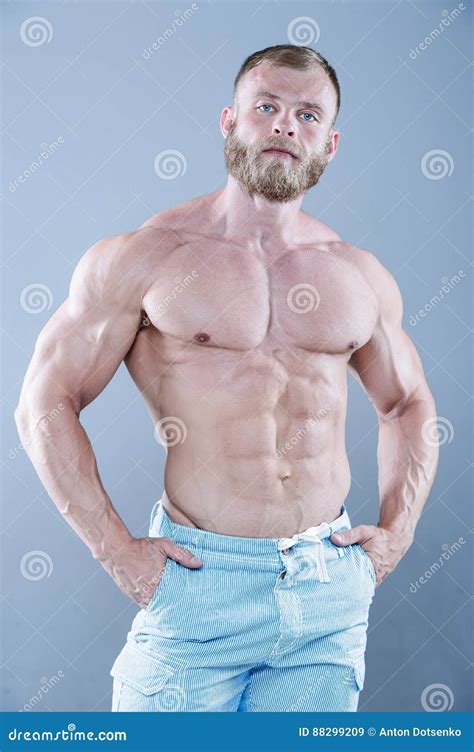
283 122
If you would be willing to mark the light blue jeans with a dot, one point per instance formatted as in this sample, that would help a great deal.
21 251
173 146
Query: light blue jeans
266 624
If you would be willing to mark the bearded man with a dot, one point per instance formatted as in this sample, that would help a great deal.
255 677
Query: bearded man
239 317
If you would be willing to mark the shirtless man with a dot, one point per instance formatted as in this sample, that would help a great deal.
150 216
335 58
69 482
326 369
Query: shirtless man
238 316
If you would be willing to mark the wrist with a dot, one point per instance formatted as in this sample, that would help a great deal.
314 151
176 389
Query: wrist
111 540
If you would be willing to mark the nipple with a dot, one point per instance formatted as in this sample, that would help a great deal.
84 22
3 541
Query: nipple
353 344
202 337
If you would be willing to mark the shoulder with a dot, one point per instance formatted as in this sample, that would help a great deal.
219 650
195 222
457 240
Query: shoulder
377 276
121 265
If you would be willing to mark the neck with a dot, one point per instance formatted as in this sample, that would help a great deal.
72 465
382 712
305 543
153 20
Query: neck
253 220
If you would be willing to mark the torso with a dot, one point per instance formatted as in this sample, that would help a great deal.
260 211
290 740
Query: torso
243 356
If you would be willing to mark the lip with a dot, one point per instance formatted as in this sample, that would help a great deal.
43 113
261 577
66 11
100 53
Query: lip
279 151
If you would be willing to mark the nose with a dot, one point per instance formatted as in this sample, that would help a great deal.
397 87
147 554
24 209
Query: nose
287 130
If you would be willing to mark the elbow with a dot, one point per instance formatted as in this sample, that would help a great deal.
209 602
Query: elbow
420 397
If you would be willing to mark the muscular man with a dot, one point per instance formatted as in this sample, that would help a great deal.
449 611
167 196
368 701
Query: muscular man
238 316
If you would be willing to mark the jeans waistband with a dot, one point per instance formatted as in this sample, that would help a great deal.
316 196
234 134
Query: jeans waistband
162 525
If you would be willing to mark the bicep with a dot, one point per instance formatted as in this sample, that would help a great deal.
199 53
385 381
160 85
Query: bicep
86 339
389 369
388 366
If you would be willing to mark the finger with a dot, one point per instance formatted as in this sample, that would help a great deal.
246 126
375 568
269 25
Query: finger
347 537
180 554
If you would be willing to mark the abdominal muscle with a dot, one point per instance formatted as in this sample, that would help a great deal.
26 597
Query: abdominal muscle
270 463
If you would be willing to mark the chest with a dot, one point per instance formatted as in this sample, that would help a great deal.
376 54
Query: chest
237 300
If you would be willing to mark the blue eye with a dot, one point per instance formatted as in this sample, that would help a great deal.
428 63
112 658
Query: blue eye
309 113
265 105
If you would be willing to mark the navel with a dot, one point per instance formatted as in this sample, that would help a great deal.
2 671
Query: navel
202 337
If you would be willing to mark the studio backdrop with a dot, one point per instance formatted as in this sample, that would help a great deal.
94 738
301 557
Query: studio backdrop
111 113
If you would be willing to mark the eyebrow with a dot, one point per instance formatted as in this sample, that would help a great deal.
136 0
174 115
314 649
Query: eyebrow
301 103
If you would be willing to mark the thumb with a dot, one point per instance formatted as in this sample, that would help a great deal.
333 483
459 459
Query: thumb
347 537
182 555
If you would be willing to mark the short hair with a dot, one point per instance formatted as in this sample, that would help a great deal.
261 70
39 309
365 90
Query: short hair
290 56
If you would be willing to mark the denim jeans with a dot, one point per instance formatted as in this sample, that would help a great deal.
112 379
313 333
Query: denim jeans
266 624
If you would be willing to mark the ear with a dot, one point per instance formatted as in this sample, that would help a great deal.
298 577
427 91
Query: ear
333 144
227 119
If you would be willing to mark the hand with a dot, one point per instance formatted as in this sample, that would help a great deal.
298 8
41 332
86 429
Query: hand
384 548
137 567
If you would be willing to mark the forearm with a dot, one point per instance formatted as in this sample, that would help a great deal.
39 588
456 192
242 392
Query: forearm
407 459
62 456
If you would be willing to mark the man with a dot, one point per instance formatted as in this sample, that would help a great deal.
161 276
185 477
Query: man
238 317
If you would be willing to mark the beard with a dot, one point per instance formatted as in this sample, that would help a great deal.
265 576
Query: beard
277 179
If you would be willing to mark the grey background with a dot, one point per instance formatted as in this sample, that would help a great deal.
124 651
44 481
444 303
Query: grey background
111 111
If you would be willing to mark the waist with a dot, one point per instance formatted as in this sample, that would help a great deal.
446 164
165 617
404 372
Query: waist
161 524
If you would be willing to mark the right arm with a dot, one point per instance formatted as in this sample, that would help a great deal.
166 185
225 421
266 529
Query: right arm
75 357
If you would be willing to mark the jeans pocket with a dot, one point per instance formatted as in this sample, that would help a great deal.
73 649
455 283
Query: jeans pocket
370 564
164 576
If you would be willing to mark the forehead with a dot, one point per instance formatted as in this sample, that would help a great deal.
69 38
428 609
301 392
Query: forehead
291 85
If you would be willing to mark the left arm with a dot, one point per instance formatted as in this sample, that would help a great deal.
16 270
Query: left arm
389 369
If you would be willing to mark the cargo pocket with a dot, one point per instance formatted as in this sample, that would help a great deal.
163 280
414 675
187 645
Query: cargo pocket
142 672
359 673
